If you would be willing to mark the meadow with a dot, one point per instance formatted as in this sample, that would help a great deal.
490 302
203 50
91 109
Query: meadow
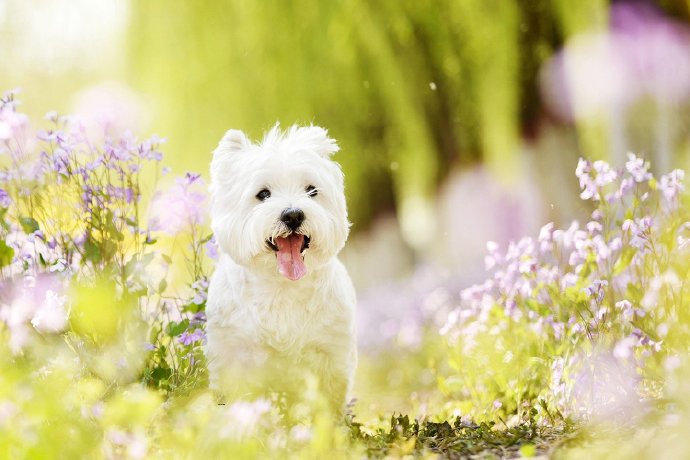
574 344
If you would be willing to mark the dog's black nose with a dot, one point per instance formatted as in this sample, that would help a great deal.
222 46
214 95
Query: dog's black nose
292 217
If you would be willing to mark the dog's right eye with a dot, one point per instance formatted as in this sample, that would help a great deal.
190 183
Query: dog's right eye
263 194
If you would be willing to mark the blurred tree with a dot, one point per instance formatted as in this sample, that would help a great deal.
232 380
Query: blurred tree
409 88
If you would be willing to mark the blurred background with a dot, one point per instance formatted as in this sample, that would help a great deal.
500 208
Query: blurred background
459 121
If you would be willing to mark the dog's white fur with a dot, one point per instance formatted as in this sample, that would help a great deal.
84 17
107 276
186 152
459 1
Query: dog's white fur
264 330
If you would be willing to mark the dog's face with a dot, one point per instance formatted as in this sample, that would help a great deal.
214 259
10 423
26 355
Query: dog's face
278 206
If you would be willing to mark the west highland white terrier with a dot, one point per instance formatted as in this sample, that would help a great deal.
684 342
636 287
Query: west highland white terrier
280 304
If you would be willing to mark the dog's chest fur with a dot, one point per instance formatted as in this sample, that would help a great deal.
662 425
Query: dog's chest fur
280 317
286 319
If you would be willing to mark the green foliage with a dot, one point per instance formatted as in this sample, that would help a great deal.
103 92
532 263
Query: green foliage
460 438
6 254
409 89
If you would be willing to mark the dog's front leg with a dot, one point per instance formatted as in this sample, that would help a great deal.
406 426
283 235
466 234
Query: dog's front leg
235 365
334 371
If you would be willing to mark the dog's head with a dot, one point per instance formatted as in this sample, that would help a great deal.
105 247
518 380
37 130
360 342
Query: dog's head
278 206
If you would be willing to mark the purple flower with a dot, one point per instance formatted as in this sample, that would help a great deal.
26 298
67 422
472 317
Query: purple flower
590 190
594 227
596 289
189 338
198 318
11 123
638 168
211 248
5 200
626 309
628 225
626 186
672 183
92 165
200 287
605 175
191 177
147 149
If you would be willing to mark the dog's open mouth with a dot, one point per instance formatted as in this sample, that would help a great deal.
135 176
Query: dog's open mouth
290 254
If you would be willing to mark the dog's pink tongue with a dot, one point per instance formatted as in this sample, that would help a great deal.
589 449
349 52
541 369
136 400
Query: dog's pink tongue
290 262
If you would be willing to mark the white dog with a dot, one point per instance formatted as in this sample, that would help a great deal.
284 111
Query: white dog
280 304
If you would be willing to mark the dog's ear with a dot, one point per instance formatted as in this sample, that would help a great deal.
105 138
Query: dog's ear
233 141
314 138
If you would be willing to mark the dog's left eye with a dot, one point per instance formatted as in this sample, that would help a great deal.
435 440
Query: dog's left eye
311 191
263 195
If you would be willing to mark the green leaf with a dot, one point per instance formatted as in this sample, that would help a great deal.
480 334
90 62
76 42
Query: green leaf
161 351
624 260
29 224
174 328
3 223
634 293
6 254
112 228
161 373
117 234
109 249
155 332
136 293
92 252
193 307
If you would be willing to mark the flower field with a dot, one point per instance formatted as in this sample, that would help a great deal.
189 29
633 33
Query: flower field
575 343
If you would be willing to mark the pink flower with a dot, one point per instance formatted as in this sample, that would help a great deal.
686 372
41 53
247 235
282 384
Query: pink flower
179 208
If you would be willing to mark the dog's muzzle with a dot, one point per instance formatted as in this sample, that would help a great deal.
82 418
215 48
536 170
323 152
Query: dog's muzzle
290 247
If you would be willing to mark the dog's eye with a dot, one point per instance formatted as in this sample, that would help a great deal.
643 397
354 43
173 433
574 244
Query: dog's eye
263 194
311 191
